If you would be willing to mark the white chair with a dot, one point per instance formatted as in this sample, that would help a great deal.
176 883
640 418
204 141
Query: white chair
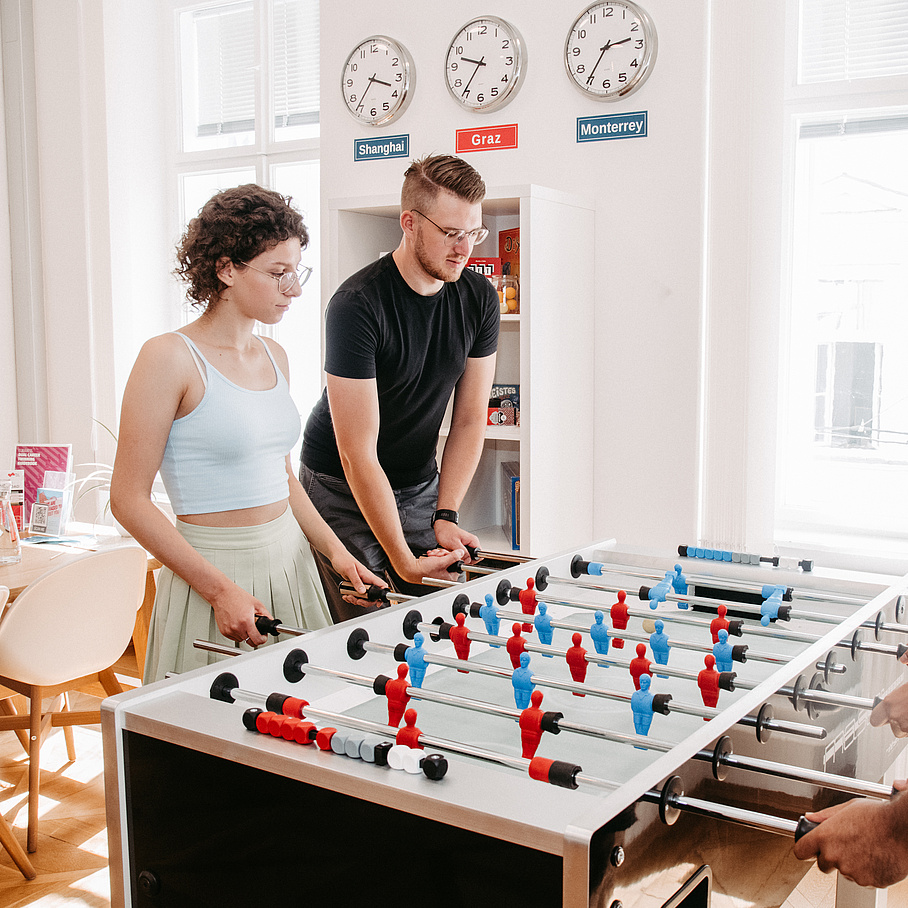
7 838
66 629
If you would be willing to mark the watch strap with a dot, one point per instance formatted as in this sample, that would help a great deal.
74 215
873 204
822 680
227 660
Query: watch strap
445 514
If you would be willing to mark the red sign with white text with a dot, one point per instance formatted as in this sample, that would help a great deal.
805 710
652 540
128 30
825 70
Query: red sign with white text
487 138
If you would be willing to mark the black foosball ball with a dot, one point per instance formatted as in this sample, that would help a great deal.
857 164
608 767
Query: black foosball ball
599 728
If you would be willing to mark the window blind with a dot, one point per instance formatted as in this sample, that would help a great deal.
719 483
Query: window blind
225 74
296 62
852 126
844 40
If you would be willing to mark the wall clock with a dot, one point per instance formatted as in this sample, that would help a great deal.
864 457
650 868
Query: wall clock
485 64
378 80
610 50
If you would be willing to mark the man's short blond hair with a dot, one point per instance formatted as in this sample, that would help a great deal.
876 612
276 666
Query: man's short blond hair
427 176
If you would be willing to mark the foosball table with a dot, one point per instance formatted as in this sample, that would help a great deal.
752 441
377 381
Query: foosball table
601 727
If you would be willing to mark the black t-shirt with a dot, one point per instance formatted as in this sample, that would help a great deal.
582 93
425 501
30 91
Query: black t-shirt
415 347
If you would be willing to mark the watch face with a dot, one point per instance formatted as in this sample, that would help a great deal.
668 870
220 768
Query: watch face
610 49
485 64
377 81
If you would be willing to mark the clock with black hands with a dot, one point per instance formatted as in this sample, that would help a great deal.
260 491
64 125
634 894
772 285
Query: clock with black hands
610 50
485 64
377 80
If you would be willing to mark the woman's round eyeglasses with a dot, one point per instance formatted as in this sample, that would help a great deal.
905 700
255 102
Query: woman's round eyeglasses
286 280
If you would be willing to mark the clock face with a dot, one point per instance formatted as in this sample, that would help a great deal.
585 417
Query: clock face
377 81
485 64
610 49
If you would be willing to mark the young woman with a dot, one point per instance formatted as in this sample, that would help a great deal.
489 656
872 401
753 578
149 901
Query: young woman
209 406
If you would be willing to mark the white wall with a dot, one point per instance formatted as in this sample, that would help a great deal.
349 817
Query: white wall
654 210
649 196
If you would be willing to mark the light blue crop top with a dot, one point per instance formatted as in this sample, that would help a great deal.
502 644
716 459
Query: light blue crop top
229 452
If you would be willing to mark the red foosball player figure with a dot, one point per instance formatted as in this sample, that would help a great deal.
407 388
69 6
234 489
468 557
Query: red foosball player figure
409 734
396 692
527 599
460 637
576 660
708 682
640 665
719 623
530 723
618 615
515 646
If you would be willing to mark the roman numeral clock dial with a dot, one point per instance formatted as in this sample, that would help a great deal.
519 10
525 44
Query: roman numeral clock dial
377 80
610 50
485 63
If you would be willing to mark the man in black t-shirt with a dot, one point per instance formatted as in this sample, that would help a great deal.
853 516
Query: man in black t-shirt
401 335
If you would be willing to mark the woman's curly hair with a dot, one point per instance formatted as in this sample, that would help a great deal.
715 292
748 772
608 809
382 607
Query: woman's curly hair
236 224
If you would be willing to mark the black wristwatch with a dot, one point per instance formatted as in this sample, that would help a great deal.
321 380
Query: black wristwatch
445 514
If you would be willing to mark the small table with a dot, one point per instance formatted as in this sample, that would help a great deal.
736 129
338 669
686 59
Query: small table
38 558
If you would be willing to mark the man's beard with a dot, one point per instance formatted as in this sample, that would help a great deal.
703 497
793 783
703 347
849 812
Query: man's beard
427 265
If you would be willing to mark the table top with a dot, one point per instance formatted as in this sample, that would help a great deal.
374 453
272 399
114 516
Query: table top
38 558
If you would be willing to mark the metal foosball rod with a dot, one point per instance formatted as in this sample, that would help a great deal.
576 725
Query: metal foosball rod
441 630
799 694
297 665
555 772
737 627
788 562
358 644
722 757
679 582
672 802
654 598
581 567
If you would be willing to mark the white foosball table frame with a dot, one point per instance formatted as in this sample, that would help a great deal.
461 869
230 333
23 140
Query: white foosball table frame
203 811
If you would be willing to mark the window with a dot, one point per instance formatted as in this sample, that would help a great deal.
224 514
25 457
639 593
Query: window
843 429
248 77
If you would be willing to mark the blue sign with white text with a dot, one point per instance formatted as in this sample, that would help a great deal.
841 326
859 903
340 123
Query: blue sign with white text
612 126
386 147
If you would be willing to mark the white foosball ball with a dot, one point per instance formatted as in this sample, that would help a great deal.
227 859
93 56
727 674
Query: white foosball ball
598 728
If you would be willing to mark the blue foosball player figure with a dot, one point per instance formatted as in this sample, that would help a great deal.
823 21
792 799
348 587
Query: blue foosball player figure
522 679
723 652
658 592
658 642
489 615
415 657
642 706
599 634
679 584
770 607
543 624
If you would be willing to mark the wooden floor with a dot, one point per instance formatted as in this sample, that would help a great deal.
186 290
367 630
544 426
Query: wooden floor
71 859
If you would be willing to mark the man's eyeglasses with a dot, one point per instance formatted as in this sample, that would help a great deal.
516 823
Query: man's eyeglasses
453 237
286 280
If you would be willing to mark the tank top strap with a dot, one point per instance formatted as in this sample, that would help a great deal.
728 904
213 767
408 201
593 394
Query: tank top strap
199 360
278 375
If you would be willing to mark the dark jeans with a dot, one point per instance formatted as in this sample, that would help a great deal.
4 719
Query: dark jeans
334 500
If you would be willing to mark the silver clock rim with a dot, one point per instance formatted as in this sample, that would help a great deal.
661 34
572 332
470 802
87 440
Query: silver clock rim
406 88
521 52
646 64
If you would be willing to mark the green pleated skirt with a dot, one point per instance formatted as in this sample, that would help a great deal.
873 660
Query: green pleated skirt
271 561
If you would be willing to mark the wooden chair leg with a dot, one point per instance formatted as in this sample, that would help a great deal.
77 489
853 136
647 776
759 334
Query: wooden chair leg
34 769
9 841
7 708
109 682
68 732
